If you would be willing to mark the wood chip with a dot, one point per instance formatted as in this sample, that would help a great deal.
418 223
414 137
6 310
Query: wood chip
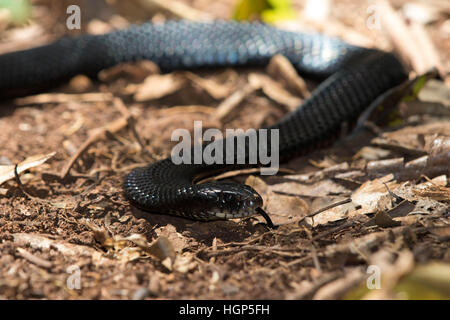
33 259
213 88
280 67
402 38
275 91
229 104
157 86
63 98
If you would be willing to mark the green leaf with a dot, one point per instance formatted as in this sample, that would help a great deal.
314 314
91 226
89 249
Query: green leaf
426 282
249 9
420 82
275 15
20 10
267 10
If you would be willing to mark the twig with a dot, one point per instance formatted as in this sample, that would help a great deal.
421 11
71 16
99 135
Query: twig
281 67
331 206
229 104
429 51
401 36
21 187
264 249
313 251
118 103
235 173
33 259
393 195
333 230
63 98
101 134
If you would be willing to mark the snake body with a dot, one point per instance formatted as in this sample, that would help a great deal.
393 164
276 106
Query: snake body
353 78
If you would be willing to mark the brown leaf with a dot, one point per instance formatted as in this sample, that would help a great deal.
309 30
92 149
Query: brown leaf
7 171
275 91
213 88
135 71
281 68
382 219
286 208
373 196
157 86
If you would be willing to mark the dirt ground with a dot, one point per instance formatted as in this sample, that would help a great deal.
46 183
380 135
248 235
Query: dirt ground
376 203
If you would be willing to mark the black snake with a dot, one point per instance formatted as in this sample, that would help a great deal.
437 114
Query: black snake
353 78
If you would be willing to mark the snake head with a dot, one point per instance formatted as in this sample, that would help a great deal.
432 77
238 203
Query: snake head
227 200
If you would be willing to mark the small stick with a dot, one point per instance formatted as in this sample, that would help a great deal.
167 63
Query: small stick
20 185
393 195
280 66
63 98
100 134
331 206
428 48
33 259
402 37
229 104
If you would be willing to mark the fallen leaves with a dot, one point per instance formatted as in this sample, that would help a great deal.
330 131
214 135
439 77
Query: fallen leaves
34 259
63 98
283 209
156 86
229 104
373 195
337 212
283 79
274 90
384 220
41 242
434 189
7 171
162 249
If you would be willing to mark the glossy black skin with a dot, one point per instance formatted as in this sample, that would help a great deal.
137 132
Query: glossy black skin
353 78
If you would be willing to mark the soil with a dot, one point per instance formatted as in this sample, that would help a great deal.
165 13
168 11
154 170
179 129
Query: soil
56 227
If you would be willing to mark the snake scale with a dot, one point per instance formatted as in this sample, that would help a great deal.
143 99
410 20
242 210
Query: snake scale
352 78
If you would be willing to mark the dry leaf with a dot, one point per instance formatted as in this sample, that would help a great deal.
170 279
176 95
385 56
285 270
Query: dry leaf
434 189
286 207
281 68
275 91
229 104
184 263
7 171
213 88
382 219
373 196
137 71
43 243
157 86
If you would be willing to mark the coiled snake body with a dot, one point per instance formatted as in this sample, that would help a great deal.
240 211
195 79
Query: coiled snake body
355 77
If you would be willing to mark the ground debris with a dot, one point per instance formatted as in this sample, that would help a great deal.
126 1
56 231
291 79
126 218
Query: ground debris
377 198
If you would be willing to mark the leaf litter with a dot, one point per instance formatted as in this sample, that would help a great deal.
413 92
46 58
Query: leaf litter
379 200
